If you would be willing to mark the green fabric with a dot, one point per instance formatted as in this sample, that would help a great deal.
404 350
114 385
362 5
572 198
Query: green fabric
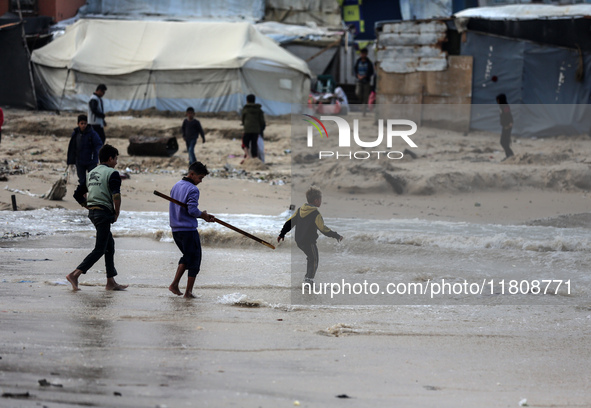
253 118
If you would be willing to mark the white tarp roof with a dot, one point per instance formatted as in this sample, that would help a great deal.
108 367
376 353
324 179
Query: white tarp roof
244 10
116 47
169 66
526 12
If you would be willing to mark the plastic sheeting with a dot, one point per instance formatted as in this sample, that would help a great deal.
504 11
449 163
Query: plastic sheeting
250 10
425 10
540 83
526 12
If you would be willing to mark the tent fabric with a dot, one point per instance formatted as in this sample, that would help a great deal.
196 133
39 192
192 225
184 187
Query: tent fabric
540 82
169 65
16 86
526 12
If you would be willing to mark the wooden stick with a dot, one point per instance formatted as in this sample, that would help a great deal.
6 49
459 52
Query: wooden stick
225 224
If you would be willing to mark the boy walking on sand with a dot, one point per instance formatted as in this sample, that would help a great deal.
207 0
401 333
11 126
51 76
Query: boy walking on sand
307 220
253 120
101 194
183 222
83 149
191 131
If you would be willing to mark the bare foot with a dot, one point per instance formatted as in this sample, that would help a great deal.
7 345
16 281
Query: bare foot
175 289
115 286
190 295
73 279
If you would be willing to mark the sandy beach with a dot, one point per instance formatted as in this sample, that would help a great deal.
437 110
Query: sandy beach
242 342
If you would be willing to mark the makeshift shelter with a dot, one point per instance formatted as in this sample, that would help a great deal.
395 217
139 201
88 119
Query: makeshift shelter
538 55
169 66
226 10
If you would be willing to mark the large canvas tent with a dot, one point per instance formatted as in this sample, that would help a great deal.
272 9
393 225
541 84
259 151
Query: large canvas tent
169 66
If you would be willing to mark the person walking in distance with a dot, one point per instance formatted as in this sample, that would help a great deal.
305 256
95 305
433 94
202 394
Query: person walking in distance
96 111
253 120
506 119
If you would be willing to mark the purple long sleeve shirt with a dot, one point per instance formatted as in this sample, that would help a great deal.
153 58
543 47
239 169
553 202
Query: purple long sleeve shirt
182 219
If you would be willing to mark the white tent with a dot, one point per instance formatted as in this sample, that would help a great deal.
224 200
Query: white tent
169 66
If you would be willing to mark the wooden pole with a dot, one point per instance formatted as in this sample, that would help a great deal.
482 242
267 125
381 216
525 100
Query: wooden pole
225 224
13 198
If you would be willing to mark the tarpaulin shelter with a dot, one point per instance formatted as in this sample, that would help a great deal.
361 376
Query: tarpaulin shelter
16 86
538 56
226 10
169 66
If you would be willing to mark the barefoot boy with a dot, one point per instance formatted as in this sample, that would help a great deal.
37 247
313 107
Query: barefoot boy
307 220
183 222
101 195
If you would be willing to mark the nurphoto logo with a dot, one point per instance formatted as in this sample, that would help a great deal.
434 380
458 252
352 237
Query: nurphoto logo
387 129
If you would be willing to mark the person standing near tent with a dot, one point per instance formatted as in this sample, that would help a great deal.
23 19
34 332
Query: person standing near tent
506 119
363 72
101 195
96 111
253 120
191 131
183 222
83 150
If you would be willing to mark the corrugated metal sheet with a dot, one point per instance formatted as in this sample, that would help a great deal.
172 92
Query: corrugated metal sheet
411 46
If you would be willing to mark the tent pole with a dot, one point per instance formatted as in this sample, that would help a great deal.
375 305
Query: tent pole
64 90
20 16
148 84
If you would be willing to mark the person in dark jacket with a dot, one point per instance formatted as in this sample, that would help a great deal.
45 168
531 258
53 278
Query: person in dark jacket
191 130
83 150
506 119
253 120
308 221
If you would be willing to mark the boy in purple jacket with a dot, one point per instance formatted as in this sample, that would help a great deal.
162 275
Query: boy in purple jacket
183 222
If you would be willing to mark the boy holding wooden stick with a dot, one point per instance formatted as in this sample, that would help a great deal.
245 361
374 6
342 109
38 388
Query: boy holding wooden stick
183 222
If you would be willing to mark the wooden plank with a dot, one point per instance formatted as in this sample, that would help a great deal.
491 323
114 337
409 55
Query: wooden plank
455 81
402 84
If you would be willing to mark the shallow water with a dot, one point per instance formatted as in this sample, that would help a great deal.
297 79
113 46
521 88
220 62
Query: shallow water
423 262
248 340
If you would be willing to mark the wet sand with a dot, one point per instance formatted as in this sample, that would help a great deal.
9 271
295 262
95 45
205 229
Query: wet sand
146 347
242 343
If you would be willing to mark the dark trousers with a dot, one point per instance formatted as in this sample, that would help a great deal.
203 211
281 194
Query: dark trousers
104 244
506 141
101 132
190 245
251 141
311 251
191 149
81 170
362 91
